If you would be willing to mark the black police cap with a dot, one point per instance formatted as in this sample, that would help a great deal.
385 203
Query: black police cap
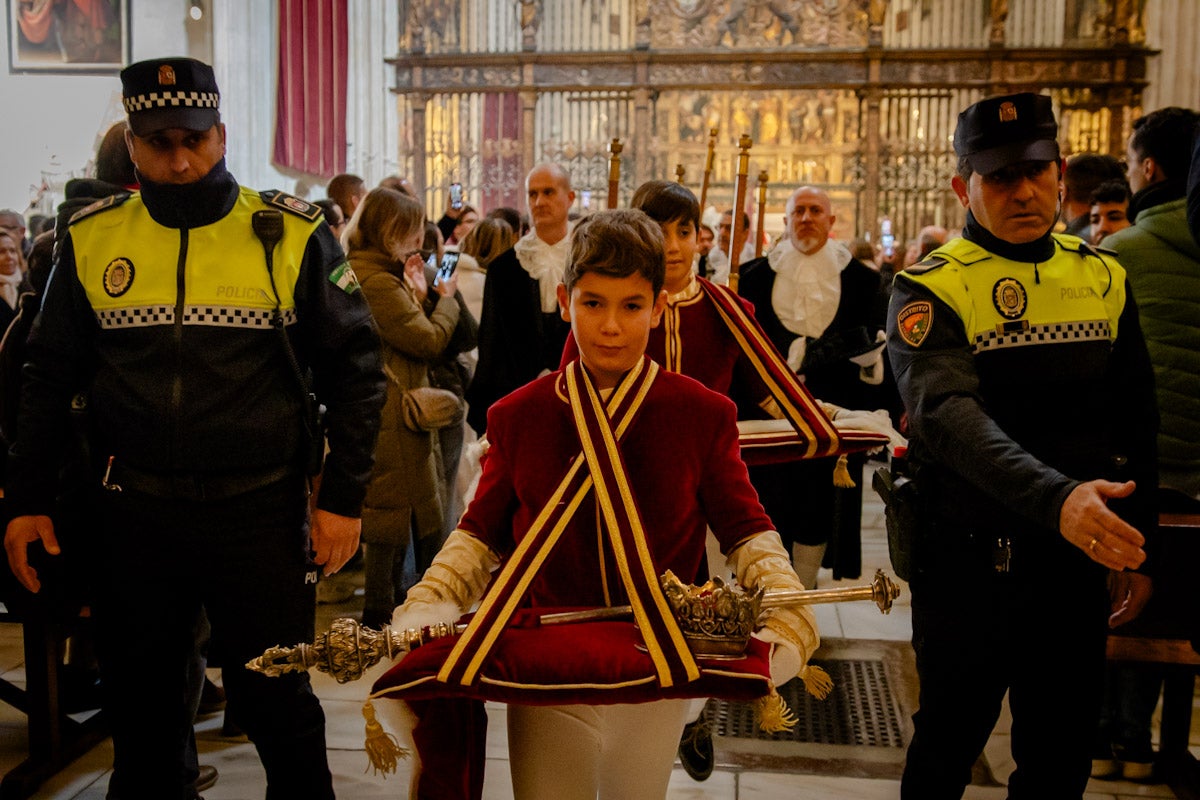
170 93
999 131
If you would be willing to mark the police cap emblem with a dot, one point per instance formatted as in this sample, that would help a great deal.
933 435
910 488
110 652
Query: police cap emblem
1008 296
118 277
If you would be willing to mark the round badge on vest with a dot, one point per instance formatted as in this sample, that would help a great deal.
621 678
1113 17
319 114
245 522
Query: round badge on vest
1009 298
118 277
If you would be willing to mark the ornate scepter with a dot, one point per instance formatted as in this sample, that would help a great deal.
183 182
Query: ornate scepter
614 171
716 618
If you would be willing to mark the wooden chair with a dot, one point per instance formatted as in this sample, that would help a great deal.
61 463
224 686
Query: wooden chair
1161 636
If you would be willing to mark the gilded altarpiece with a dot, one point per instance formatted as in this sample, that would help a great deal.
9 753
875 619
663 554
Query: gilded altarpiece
857 96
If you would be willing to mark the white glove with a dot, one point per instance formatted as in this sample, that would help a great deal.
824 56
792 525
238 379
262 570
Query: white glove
761 561
878 421
451 586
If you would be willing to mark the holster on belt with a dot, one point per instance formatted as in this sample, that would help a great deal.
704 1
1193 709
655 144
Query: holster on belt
901 512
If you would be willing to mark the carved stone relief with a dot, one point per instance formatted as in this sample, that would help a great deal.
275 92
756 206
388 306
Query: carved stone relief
689 24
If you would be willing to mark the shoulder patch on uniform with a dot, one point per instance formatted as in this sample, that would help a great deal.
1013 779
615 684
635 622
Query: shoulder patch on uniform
344 278
927 264
914 321
112 201
301 208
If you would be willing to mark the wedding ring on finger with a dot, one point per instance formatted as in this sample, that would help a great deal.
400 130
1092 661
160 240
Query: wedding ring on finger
1092 545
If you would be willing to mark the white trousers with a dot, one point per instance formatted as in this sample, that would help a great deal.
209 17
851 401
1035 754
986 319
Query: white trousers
582 752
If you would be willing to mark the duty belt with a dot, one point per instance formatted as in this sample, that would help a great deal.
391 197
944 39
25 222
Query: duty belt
119 477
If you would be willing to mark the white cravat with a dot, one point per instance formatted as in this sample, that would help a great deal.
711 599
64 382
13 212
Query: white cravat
545 263
8 287
807 291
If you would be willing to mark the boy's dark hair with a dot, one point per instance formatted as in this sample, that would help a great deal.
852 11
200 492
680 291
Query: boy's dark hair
1086 171
1166 135
1111 192
667 201
617 243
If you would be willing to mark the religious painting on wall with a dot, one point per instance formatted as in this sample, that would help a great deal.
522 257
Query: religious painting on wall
85 36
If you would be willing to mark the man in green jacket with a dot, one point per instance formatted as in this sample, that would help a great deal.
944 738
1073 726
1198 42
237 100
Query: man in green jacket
1163 261
1163 264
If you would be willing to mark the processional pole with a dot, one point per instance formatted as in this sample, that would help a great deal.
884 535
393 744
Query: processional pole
762 210
614 171
708 166
739 205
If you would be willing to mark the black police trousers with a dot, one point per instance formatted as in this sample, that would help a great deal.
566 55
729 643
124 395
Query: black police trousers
1039 634
245 560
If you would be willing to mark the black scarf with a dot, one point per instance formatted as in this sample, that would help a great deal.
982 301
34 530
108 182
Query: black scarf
1156 194
1035 252
191 205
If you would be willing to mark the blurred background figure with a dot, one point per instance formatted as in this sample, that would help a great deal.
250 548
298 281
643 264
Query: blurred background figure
347 191
13 224
1110 209
403 503
1085 172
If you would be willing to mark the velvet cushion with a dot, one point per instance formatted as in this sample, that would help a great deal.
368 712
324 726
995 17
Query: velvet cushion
593 662
775 441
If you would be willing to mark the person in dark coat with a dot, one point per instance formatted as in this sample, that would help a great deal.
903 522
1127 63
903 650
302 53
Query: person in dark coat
819 307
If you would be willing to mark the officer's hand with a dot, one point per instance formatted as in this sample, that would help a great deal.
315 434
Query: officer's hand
1086 522
334 538
1130 591
23 531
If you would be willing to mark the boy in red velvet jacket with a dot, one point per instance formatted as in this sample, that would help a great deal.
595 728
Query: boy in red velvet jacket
669 454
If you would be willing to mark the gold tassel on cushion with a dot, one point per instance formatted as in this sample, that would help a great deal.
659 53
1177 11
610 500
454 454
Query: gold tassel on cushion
773 713
816 681
383 750
841 474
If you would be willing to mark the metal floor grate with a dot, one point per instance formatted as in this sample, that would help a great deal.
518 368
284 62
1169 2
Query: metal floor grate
861 710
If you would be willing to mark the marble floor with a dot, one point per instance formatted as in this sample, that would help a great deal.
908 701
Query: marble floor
241 776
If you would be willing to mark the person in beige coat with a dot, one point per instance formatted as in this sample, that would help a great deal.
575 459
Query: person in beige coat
383 241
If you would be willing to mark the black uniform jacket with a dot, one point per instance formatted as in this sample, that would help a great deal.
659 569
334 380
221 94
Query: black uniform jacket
164 323
1022 378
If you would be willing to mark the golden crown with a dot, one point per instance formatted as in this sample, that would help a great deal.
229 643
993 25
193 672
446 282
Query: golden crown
716 618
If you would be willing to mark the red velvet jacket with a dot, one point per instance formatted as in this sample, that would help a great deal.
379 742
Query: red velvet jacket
682 457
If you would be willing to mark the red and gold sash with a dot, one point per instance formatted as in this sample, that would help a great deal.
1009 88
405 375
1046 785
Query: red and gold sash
815 431
598 467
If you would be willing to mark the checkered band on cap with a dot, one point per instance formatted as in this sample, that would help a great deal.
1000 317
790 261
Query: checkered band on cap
153 100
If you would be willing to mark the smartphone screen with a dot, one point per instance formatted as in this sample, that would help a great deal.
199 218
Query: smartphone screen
456 195
449 264
431 262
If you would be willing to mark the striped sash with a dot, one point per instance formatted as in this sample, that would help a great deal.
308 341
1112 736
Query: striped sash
813 427
599 467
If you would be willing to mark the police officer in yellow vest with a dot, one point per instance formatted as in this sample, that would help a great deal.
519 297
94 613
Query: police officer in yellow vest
204 322
1031 413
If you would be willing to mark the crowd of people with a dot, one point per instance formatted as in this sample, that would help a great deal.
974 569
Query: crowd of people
492 412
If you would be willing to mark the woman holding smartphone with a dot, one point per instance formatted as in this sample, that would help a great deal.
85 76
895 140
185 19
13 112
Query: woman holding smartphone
383 242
